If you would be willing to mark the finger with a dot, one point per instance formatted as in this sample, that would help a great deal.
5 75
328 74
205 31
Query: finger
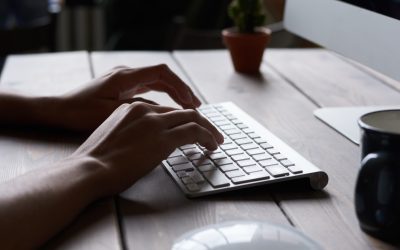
179 117
137 99
163 87
190 133
137 110
135 79
184 91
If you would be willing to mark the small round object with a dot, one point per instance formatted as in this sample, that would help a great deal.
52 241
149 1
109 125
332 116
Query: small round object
249 235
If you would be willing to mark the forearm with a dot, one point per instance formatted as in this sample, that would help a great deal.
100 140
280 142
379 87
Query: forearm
35 206
25 110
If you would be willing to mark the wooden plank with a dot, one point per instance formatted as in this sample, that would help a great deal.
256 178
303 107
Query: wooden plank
327 80
381 77
327 217
154 211
24 150
47 73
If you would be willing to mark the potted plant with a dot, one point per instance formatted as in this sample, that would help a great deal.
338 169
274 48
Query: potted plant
248 39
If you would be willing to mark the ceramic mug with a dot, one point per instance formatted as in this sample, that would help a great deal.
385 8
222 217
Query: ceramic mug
377 194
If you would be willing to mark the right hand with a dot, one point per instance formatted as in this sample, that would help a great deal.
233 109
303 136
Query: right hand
137 137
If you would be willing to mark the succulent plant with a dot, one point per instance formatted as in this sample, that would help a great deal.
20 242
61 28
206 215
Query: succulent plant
247 14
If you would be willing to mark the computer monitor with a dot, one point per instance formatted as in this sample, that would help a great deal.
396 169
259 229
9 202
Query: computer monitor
365 30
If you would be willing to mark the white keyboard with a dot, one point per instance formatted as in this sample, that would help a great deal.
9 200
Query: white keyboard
250 156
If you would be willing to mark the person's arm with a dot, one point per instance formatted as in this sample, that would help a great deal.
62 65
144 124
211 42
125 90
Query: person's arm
24 110
84 109
129 144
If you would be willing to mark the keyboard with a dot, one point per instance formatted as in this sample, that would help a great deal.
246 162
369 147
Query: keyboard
250 156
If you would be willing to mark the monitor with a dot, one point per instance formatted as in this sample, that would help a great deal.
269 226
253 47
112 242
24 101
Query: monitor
365 30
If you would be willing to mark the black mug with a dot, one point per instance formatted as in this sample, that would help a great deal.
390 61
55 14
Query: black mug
377 194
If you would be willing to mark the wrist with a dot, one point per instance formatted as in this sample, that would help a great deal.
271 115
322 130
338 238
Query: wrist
46 111
90 176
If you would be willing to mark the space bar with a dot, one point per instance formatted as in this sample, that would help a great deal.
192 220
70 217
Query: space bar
261 175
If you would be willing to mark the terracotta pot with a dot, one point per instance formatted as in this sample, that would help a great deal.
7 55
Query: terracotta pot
246 49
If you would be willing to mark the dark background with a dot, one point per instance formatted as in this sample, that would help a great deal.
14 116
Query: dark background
389 8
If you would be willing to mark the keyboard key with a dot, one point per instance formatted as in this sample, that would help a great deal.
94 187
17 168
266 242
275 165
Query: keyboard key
287 163
249 146
206 109
273 151
232 131
235 173
243 141
218 155
188 146
187 180
266 145
207 167
191 151
261 157
230 116
196 177
240 157
268 162
223 161
280 157
222 123
229 167
227 141
236 121
231 152
241 125
256 176
184 166
217 119
201 161
255 151
228 146
212 114
277 170
260 140
252 169
253 135
227 127
195 156
193 187
295 170
247 130
177 160
245 163
176 153
238 136
216 178
181 174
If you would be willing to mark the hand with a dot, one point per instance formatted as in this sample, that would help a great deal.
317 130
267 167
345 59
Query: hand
88 107
138 136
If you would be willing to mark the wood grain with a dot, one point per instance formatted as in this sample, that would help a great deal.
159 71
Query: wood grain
283 102
328 81
26 149
154 211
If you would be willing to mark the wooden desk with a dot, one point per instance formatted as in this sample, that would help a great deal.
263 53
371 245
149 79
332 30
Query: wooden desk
153 212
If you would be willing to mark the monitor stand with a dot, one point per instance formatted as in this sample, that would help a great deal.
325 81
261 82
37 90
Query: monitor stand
345 119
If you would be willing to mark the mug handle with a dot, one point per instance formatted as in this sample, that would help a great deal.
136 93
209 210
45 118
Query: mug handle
376 185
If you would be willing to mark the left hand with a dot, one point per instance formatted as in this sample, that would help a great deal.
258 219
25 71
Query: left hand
86 108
